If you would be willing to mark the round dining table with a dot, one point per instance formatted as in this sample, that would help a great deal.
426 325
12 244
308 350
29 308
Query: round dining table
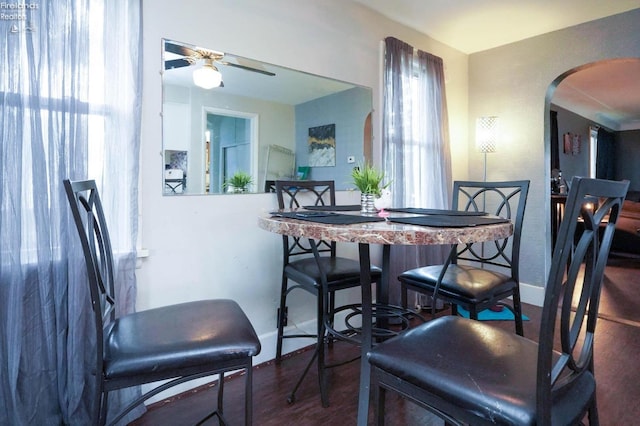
385 233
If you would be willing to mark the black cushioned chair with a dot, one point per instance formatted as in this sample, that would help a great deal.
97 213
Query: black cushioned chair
300 267
469 372
489 272
181 342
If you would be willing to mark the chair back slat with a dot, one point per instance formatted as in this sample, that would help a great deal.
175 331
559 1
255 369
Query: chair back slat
574 286
504 199
88 216
293 194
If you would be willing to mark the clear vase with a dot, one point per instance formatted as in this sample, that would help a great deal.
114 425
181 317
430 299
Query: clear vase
366 204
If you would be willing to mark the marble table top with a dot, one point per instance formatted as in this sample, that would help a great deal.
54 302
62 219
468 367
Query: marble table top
385 232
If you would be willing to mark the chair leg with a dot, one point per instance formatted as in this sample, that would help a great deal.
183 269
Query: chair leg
221 393
281 317
403 295
593 407
379 396
454 309
593 413
322 379
292 396
517 312
473 312
103 402
332 308
248 395
318 357
219 411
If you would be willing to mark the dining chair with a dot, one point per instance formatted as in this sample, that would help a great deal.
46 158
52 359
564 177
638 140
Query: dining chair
481 275
177 343
322 274
470 372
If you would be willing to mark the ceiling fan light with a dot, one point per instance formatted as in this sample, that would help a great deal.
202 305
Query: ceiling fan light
207 77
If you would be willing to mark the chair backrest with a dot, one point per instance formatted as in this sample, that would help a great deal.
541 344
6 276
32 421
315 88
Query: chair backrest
575 278
505 199
88 216
293 194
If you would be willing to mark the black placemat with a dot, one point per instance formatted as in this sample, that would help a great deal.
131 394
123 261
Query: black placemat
417 210
441 221
328 217
345 208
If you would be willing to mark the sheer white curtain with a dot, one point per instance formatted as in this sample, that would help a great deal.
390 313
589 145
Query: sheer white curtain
416 152
69 108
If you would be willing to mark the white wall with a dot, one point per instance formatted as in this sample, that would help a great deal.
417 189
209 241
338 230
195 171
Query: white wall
210 246
512 82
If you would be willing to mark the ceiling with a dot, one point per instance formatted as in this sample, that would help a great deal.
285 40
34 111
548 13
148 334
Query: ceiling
474 25
608 94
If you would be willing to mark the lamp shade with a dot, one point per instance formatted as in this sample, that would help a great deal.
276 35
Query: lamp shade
487 134
208 76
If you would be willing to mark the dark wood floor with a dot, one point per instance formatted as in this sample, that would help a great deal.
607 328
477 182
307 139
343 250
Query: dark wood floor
617 374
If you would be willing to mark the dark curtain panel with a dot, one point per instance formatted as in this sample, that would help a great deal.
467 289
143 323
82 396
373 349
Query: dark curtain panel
416 152
606 158
398 62
555 149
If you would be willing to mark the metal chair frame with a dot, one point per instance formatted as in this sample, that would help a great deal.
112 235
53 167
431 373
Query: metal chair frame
508 200
563 375
318 193
88 215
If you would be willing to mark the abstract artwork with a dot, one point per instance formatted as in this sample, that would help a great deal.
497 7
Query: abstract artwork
322 146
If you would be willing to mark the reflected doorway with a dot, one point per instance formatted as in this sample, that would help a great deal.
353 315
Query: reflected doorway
229 138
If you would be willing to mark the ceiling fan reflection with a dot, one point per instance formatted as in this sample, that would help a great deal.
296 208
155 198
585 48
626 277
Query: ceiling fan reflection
192 56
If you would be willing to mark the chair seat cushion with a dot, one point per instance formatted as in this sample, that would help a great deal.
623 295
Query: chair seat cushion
488 371
186 335
472 283
341 272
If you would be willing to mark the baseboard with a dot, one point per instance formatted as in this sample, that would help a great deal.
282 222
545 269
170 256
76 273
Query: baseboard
532 294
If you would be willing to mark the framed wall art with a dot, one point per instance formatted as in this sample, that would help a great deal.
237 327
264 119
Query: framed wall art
322 146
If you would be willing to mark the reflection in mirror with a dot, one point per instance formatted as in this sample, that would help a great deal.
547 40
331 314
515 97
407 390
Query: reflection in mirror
258 119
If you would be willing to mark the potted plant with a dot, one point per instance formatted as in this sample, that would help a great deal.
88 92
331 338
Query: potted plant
368 180
239 182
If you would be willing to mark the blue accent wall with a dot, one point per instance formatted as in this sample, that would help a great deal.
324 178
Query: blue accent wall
348 111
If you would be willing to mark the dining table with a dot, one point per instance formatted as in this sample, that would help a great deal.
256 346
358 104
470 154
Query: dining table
402 226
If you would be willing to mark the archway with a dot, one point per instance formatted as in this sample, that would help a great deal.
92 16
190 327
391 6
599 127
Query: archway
599 98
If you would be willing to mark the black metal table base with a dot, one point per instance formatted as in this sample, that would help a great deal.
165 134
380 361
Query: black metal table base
387 321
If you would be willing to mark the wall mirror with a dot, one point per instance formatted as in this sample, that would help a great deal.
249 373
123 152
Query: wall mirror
257 122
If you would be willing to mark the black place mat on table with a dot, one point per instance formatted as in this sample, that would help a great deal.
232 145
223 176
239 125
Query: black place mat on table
345 208
441 221
417 210
328 217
